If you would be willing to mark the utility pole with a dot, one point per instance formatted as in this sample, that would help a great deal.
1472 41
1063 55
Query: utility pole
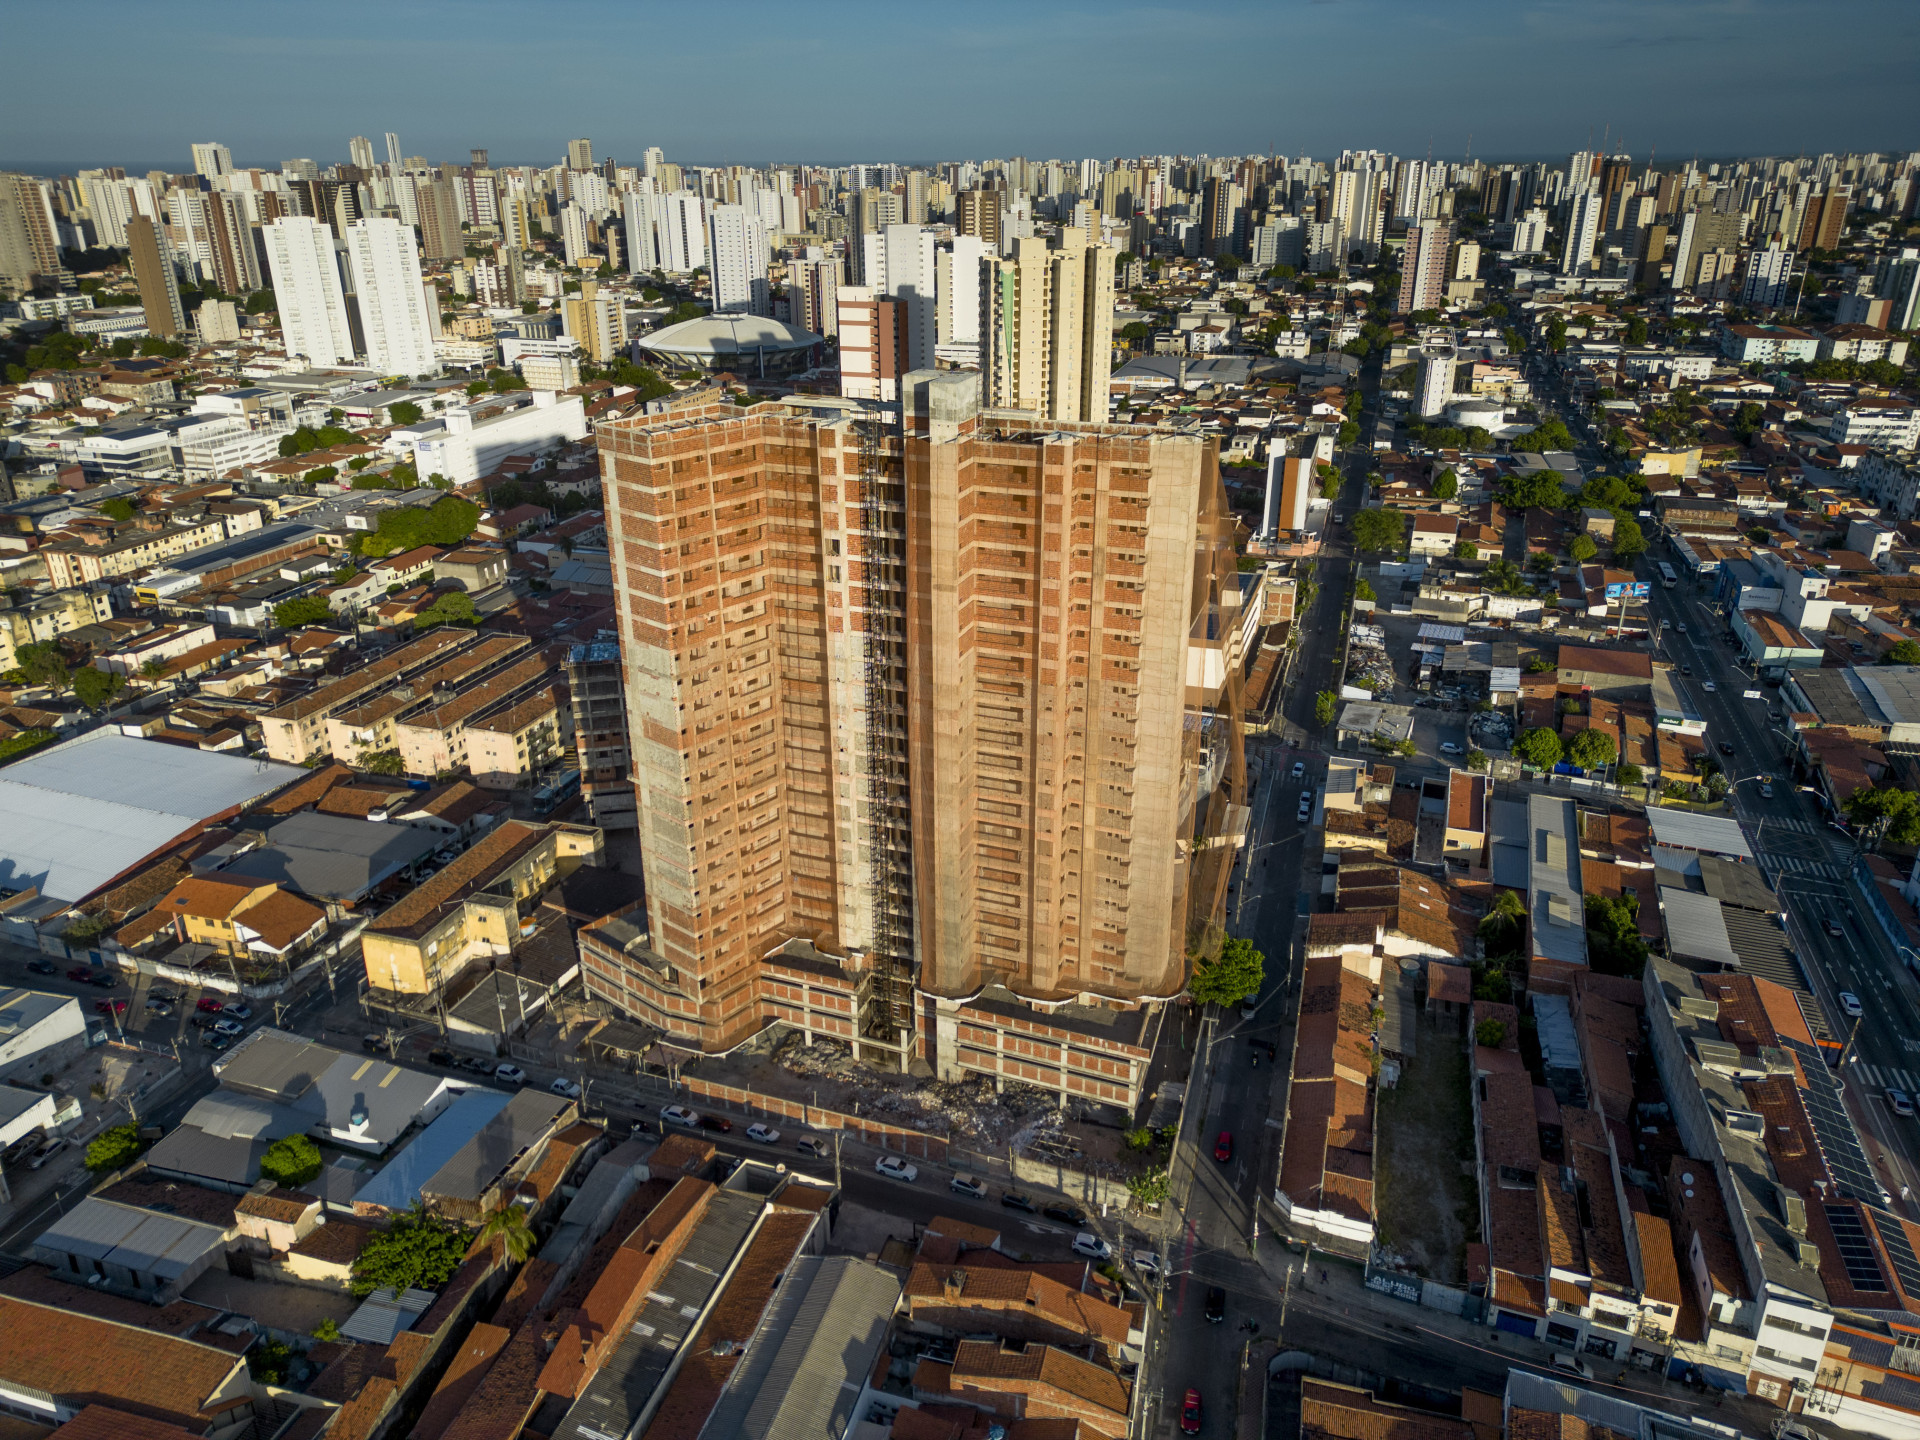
838 1180
1286 1294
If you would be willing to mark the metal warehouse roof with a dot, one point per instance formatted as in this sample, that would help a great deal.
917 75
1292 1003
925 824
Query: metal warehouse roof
1694 927
77 814
164 1246
1685 830
397 1186
527 1116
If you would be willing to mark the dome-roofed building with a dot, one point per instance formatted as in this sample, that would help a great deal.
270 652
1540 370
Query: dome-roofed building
751 345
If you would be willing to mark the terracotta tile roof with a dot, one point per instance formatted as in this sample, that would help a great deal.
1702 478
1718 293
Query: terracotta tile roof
1451 984
507 1393
103 1422
500 848
1341 1412
469 1367
285 1206
961 1288
987 1365
81 1360
281 918
206 897
338 1242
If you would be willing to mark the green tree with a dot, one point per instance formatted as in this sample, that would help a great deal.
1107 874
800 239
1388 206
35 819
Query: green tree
453 608
1477 760
510 1227
1465 550
320 475
1539 747
291 1161
1592 749
1553 435
1347 434
327 1329
114 1148
404 412
95 689
1151 1189
42 664
382 762
1331 482
1362 590
302 610
1582 549
1629 541
1614 944
1902 652
118 508
1884 814
447 521
1636 331
1379 529
1134 331
1324 706
1629 774
1447 486
269 1360
1230 977
1500 929
1533 490
1490 1034
419 1251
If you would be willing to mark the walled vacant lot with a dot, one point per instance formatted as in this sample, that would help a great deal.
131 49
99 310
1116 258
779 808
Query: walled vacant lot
1427 1202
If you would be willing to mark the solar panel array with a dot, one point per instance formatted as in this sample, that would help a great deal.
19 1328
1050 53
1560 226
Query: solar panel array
1857 1252
1833 1129
1893 1238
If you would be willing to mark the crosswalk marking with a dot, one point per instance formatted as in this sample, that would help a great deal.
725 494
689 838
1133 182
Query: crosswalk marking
1796 865
1880 1076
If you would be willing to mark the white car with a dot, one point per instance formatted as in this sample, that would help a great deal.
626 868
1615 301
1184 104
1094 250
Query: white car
1707 685
894 1168
763 1134
1147 1263
1447 747
1681 627
237 1011
566 1087
968 1186
1850 1003
1306 806
680 1115
1092 1246
1299 771
509 1074
229 1028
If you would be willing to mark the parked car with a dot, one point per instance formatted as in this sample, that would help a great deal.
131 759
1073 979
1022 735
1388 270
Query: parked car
1092 1246
763 1134
680 1115
1447 747
228 1027
1190 1413
894 1168
23 1147
42 967
1568 1364
210 1004
1216 1304
234 1010
1147 1262
474 1065
716 1122
203 1022
1299 771
1223 1147
160 1011
103 979
1850 1003
569 1088
374 1044
442 1058
1065 1214
1014 1200
110 1007
170 997
1899 1102
82 973
216 1042
968 1186
811 1145
509 1074
46 1152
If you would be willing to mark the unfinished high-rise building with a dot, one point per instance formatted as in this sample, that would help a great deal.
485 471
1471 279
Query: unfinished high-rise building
933 712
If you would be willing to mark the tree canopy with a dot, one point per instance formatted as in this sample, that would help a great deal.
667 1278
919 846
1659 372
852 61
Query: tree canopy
404 412
1379 529
1533 490
1230 977
447 521
1447 486
114 1148
307 438
1592 749
419 1251
455 607
1539 747
1902 652
1629 540
95 689
291 1161
1614 946
1325 704
1888 814
302 610
1582 549
1553 435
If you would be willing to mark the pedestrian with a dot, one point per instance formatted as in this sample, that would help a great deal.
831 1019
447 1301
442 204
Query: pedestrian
1323 1274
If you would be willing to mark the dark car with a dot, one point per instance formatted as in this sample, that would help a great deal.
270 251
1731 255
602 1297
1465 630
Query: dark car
374 1044
1223 1147
1065 1214
1216 1304
82 973
716 1122
203 1022
42 967
165 997
104 980
442 1058
1013 1200
215 1042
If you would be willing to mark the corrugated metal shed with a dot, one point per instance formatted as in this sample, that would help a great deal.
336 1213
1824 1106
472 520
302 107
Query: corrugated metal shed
1695 929
384 1314
143 1241
1685 830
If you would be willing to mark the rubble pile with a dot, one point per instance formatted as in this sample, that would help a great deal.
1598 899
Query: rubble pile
966 1110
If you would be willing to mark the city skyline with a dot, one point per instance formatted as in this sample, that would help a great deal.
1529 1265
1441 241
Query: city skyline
988 87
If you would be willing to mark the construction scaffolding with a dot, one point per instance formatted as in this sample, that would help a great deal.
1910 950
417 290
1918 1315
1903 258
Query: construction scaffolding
888 1019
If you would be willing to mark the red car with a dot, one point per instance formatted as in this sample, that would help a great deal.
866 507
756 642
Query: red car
81 973
110 1007
212 1004
1190 1413
1223 1147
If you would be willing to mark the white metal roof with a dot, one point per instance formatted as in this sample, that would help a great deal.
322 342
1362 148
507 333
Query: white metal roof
729 334
166 1246
77 814
1685 830
1695 929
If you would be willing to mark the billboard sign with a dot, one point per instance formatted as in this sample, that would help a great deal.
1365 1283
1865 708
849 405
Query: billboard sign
1638 590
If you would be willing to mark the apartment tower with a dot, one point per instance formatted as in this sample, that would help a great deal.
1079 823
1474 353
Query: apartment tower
1049 323
1423 269
148 252
917 725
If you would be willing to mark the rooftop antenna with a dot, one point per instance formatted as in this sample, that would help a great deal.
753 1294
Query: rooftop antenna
1604 133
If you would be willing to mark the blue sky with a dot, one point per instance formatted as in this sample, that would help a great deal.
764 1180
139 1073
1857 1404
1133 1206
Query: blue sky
107 82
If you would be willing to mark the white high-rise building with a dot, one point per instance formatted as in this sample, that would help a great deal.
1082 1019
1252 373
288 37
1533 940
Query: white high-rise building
306 284
1530 233
958 277
738 264
1583 228
1436 379
651 161
212 160
573 233
394 314
360 151
682 229
1767 273
639 206
393 150
900 267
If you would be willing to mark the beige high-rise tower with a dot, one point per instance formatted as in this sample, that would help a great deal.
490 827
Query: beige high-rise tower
918 720
147 251
1049 341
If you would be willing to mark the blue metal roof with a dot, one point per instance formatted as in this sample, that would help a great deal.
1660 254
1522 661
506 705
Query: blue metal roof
397 1186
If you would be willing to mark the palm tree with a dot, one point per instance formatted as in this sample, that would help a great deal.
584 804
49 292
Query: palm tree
510 1226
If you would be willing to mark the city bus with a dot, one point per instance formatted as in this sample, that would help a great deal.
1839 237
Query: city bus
1667 577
